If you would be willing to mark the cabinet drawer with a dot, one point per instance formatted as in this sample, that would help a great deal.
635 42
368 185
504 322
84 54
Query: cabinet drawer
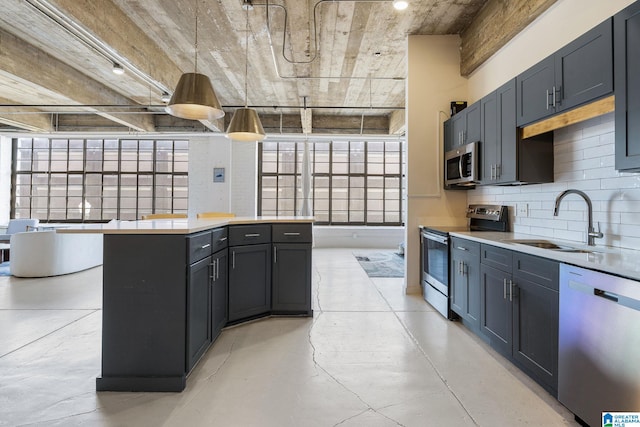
219 239
468 246
199 246
496 257
542 271
249 234
295 233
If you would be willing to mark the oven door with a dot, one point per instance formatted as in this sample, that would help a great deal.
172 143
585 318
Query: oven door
435 261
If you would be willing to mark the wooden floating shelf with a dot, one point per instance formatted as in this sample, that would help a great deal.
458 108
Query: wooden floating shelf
577 115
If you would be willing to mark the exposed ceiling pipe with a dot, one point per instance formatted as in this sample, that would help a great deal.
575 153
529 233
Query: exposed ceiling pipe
315 37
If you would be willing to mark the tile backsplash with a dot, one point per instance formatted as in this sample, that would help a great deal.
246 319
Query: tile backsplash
584 160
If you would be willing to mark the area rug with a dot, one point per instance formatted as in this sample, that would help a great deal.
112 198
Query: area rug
381 264
4 269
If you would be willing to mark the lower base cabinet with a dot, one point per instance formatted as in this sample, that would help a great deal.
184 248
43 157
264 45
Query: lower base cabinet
166 297
519 311
465 281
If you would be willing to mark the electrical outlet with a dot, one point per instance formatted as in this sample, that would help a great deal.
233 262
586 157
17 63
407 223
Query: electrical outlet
522 209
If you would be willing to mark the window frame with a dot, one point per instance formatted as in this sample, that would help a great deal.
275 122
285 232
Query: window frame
89 170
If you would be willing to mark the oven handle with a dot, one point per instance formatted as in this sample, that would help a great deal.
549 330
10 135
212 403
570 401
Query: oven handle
438 238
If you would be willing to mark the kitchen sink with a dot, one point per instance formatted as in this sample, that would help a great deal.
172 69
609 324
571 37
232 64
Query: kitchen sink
547 244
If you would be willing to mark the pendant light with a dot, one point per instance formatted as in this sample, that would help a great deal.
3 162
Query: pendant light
194 98
245 124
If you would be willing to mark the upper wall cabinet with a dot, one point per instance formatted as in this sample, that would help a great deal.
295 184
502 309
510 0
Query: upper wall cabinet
580 72
462 128
627 78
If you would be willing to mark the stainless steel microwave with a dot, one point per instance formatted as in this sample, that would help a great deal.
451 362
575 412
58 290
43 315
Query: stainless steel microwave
461 165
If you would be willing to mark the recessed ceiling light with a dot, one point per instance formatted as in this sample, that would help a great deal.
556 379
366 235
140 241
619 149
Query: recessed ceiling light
400 4
117 69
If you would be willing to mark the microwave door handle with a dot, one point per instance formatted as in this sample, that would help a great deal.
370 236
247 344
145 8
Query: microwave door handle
460 166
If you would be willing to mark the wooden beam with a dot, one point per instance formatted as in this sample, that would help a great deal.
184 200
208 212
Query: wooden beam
40 72
577 115
497 23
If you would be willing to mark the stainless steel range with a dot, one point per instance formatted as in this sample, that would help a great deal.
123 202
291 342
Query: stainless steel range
435 252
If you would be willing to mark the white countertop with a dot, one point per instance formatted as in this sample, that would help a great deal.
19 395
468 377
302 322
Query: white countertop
619 261
176 226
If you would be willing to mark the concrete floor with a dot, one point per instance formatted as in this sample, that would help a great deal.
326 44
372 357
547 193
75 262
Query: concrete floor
370 356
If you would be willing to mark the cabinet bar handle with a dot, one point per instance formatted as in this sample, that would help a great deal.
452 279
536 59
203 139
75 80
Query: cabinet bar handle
498 171
510 290
205 246
212 274
222 239
233 259
504 288
217 268
547 98
462 248
554 97
252 235
291 234
275 254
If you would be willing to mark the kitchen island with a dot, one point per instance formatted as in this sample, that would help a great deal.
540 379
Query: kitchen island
170 286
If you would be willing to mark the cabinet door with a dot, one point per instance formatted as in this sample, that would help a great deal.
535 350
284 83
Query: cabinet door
584 67
249 281
291 278
199 310
495 308
506 153
219 293
535 331
458 283
449 141
536 92
490 138
627 83
459 127
473 126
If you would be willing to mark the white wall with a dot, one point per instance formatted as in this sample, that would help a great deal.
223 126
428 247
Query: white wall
206 153
433 82
583 153
244 182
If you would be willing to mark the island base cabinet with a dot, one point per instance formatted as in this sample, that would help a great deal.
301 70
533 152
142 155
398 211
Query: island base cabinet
249 281
199 308
291 290
219 292
144 313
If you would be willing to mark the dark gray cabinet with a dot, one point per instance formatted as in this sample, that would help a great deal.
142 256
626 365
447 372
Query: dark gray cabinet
199 310
465 281
580 72
167 297
627 81
291 286
219 265
519 311
249 271
463 127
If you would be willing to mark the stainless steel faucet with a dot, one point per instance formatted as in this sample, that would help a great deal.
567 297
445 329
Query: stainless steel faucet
591 232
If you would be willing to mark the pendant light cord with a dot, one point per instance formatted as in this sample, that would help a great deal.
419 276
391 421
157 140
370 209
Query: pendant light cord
196 42
246 59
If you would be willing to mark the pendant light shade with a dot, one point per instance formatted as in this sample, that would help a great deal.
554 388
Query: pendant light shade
194 99
245 126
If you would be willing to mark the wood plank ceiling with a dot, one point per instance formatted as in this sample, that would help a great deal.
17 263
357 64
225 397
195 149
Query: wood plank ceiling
344 60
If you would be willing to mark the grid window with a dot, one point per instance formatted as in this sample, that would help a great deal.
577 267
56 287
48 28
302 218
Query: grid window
96 180
351 182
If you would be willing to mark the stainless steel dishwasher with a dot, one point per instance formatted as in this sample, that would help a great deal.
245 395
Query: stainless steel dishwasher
599 344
